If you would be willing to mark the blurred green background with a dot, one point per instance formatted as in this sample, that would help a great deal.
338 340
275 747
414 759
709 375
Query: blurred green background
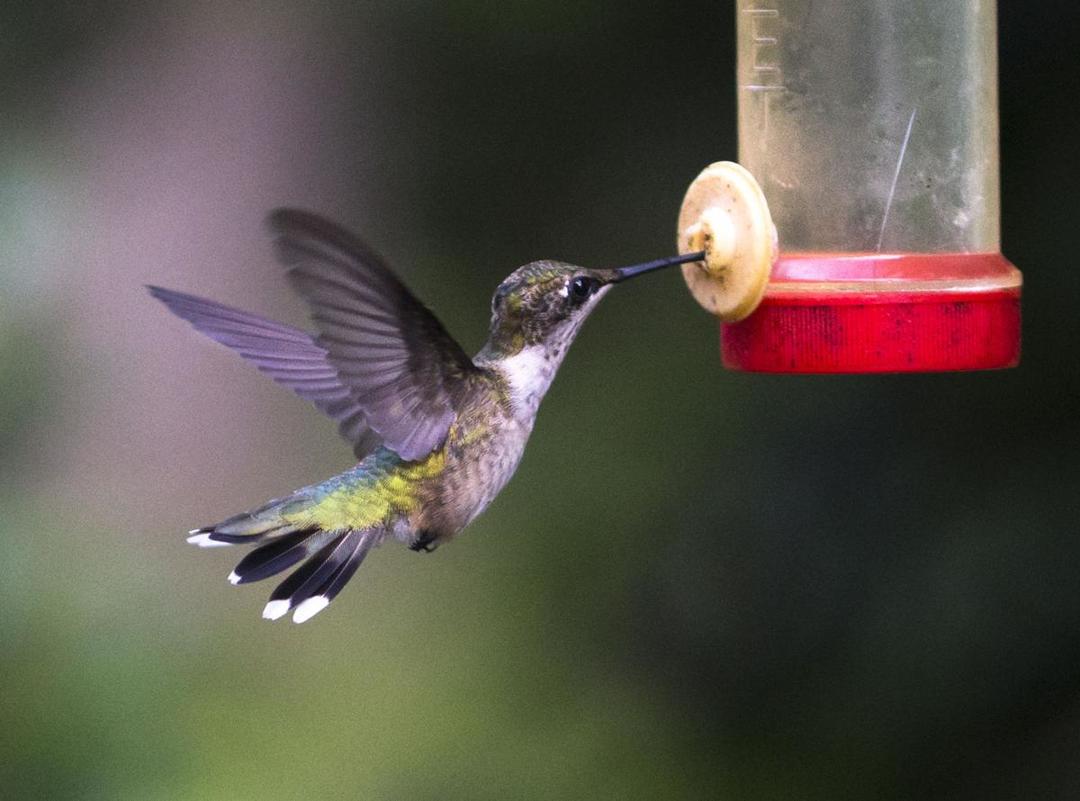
701 584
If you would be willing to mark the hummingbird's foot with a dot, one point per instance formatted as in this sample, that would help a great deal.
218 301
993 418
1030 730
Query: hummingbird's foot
425 541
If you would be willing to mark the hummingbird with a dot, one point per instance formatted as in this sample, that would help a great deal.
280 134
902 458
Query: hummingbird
437 434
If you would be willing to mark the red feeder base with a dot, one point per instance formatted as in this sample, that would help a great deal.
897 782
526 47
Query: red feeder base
881 313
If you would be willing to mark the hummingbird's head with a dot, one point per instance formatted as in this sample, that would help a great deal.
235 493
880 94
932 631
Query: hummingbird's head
536 313
543 304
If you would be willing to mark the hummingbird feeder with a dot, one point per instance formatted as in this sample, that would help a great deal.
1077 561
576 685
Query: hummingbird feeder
871 128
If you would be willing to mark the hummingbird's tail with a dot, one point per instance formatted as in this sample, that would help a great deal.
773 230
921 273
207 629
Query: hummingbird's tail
283 541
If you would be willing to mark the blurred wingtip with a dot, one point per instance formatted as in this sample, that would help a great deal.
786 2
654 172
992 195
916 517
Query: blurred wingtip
170 297
286 219
300 235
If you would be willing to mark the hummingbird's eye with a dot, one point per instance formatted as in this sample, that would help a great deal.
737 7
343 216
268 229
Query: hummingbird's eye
581 287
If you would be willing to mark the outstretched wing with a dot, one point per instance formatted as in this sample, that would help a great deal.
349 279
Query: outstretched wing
402 367
286 354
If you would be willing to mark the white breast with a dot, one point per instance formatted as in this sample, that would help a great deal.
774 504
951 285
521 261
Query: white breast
529 374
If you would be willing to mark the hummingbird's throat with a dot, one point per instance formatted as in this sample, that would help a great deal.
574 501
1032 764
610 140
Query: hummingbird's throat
530 371
528 374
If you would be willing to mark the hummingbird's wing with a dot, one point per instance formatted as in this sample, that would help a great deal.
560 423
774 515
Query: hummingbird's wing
402 366
286 354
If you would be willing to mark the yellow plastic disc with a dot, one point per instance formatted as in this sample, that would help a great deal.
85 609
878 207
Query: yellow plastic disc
725 214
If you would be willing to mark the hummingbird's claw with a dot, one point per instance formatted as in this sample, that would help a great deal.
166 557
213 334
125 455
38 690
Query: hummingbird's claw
425 542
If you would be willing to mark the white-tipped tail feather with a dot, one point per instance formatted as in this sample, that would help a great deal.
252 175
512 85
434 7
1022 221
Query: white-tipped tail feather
202 539
309 608
275 609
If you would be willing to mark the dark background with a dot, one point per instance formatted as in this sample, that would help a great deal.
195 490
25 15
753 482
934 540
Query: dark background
701 584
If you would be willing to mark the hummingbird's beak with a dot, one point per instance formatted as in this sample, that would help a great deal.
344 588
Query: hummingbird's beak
622 273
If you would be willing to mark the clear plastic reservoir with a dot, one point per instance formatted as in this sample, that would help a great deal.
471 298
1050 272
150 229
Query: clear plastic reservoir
872 128
871 125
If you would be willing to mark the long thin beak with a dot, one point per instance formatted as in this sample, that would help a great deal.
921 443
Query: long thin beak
622 273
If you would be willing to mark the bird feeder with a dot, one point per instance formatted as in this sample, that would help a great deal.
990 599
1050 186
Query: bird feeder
871 128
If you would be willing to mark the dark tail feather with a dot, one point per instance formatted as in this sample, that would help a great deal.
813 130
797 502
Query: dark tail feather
310 589
277 555
333 586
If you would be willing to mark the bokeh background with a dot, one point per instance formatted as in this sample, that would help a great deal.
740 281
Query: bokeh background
700 584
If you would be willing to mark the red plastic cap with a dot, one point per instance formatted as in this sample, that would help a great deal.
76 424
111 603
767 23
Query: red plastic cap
881 313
